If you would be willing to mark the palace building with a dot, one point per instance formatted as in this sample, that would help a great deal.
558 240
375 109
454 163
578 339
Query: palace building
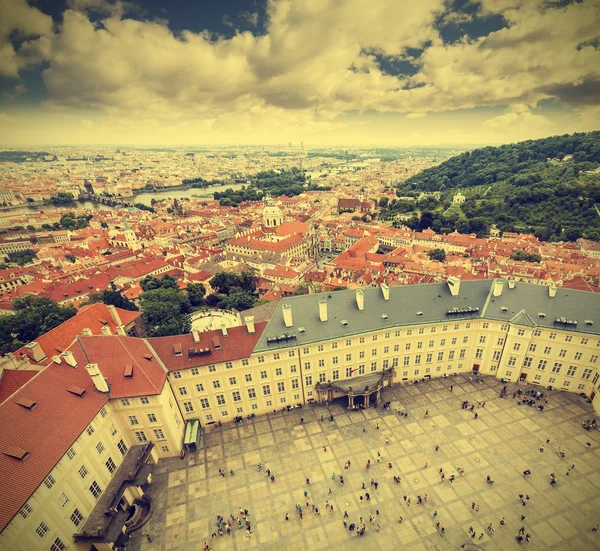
77 440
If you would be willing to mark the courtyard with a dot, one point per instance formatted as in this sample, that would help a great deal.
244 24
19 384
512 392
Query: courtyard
502 442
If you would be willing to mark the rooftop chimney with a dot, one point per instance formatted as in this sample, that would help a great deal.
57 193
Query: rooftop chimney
385 290
287 315
57 359
106 330
512 283
497 287
323 310
121 330
250 324
114 314
552 291
97 378
36 351
360 299
87 332
454 285
69 358
196 335
224 329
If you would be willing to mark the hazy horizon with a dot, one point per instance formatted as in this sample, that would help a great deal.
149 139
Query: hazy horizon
388 73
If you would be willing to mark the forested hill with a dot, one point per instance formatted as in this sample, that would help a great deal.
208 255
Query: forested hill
545 186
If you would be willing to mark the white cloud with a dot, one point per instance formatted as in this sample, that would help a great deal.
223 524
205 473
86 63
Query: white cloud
315 62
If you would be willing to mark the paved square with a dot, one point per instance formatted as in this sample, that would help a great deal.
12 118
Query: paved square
504 441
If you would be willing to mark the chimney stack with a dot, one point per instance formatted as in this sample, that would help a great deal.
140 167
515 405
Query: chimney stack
69 358
87 332
196 335
323 310
497 287
36 351
512 283
121 330
287 315
97 378
106 330
360 299
224 330
552 291
250 324
114 314
454 285
385 290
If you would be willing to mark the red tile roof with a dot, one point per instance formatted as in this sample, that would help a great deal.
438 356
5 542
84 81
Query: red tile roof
239 344
12 380
93 316
112 354
44 431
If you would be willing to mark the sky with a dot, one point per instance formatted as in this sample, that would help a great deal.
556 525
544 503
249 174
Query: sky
324 72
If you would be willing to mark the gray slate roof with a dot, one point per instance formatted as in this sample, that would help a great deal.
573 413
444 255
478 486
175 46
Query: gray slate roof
432 301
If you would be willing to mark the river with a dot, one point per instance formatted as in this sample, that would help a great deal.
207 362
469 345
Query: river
144 198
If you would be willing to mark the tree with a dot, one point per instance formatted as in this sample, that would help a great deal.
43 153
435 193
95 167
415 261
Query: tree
223 282
437 254
165 312
196 292
150 283
21 257
115 298
526 257
33 317
238 299
71 258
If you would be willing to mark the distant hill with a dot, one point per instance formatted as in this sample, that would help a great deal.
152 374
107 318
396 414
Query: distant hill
546 186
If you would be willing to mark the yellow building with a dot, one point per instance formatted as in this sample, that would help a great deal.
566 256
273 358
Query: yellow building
71 435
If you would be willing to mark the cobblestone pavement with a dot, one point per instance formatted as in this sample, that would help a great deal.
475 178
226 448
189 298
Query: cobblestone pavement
503 442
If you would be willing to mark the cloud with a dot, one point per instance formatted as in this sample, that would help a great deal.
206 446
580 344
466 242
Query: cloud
18 90
518 122
31 27
313 61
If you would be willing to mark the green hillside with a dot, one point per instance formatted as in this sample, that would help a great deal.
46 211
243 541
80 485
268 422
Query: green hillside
540 186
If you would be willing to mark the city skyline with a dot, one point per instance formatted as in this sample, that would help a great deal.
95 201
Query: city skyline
89 72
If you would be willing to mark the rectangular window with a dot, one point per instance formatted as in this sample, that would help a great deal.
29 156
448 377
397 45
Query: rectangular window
245 362
386 349
537 377
348 342
213 368
578 356
587 373
261 359
334 360
199 387
556 367
521 332
100 447
293 369
182 391
500 341
266 390
122 447
568 338
248 377
349 372
63 499
90 430
532 347
571 371
216 384
465 339
295 384
443 342
593 358
440 357
374 352
141 437
542 365
292 353
527 361
103 412
133 420
320 348
204 403
322 377
220 399
42 529
417 359
165 448
517 347
396 348
496 356
512 360
361 355
263 375
195 371
95 489
462 353
251 393
451 355
321 363
71 453
281 386
236 396
428 358
276 356
563 352
454 341
159 434
307 365
482 339
26 510
485 324
58 545
335 375
334 345
76 517
566 384
176 375
385 365
373 367
406 360
308 380
228 365
547 350
407 346
348 357
232 381
49 481
419 345
479 353
552 336
188 407
110 465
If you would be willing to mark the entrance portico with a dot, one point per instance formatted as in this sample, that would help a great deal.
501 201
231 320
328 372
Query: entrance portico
364 386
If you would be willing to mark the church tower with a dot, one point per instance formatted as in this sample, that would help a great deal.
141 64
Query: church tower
272 215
